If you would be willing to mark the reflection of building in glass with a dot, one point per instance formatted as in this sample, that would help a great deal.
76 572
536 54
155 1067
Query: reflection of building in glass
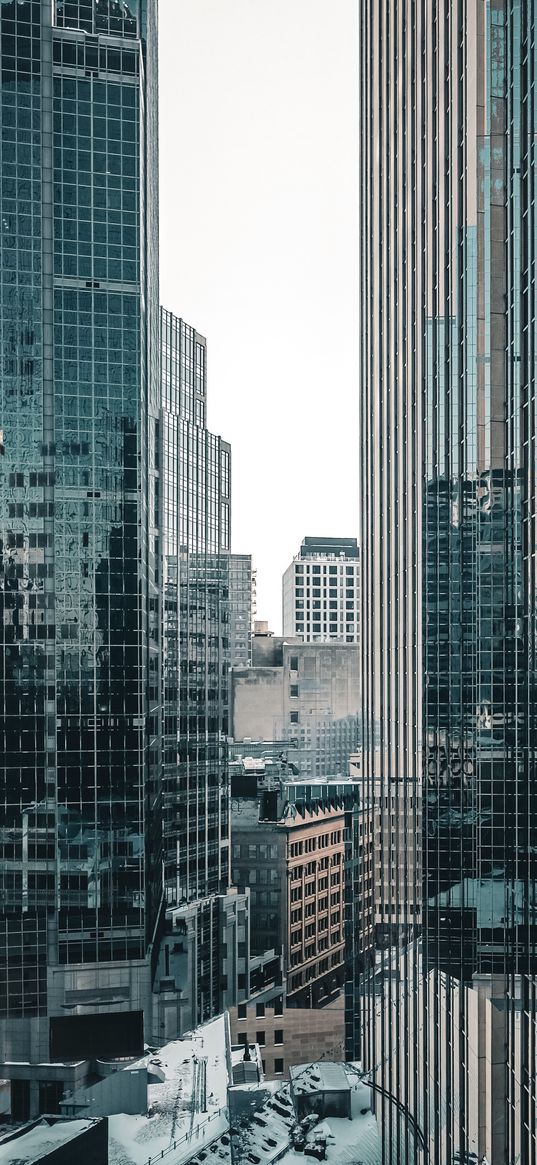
241 609
80 764
448 571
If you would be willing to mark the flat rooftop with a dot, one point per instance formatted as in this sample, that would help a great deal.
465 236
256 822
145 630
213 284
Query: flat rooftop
187 1101
345 547
307 1078
43 1138
265 1136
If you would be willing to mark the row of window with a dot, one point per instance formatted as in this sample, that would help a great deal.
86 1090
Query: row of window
243 1038
276 1005
315 568
321 841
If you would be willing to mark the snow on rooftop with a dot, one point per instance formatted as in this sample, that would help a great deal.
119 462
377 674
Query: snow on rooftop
175 1112
319 1078
264 1136
42 1139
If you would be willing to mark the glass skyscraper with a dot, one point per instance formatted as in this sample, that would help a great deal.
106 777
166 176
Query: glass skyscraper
196 480
204 957
449 524
80 761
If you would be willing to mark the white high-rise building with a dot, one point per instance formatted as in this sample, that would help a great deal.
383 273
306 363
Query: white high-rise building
321 591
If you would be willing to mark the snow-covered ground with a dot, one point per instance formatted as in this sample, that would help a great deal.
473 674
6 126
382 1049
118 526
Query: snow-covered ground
175 1114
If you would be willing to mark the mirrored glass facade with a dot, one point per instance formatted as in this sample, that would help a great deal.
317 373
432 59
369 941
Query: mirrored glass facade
196 482
80 763
449 508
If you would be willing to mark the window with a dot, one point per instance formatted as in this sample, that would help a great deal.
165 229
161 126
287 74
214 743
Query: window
294 717
293 663
293 691
260 1039
241 1011
278 1006
278 1067
260 1010
242 1037
278 1035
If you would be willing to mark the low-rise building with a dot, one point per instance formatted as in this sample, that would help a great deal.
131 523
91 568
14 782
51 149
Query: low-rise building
54 1141
291 856
304 694
289 1035
324 1113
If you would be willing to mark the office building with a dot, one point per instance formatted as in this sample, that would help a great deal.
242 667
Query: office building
80 765
115 546
321 591
277 818
204 954
448 526
195 530
242 592
306 694
291 856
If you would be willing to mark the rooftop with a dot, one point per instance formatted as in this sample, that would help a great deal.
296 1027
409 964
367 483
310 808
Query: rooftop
319 1078
263 1134
341 547
187 1101
40 1140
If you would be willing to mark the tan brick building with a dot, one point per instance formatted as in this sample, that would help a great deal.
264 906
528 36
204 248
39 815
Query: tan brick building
287 1035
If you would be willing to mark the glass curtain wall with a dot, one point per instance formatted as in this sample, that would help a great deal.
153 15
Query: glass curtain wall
80 760
448 230
196 522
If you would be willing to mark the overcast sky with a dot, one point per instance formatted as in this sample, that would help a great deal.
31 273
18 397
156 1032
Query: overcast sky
259 252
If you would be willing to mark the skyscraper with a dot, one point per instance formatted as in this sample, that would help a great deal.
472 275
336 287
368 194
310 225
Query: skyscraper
320 590
196 469
448 422
201 971
80 652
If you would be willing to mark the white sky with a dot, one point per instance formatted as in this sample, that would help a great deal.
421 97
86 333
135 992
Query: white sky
259 252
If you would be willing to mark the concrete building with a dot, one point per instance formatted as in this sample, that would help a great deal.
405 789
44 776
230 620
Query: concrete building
307 694
321 591
242 605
